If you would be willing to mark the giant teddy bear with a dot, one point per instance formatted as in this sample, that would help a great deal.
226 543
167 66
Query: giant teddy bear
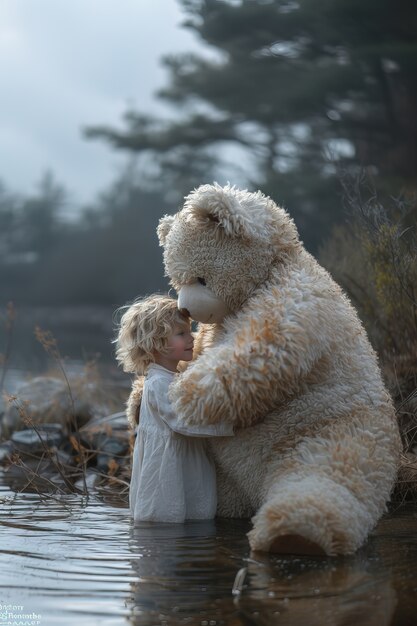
281 354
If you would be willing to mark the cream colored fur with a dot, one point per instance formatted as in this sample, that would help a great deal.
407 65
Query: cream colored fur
134 400
317 445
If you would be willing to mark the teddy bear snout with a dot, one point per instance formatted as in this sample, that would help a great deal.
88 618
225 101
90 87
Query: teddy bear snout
201 304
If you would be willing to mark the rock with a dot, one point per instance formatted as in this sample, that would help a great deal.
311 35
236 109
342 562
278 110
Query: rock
6 450
47 399
111 449
29 440
106 438
40 400
109 437
64 458
113 426
117 421
33 475
90 482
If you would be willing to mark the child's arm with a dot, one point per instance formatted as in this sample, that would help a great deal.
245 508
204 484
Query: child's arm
158 398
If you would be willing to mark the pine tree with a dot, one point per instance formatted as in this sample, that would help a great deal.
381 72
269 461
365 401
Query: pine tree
304 88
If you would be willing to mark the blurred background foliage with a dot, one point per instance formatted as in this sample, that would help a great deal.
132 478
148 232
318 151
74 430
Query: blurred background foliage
300 90
314 102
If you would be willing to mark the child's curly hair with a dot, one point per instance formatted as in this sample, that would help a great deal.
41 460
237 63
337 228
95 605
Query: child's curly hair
145 328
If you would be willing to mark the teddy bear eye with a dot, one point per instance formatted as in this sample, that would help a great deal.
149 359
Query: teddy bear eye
202 281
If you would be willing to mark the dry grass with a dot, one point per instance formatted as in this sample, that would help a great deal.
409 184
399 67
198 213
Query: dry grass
52 472
374 258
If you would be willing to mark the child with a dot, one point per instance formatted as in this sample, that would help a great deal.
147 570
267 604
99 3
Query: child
173 478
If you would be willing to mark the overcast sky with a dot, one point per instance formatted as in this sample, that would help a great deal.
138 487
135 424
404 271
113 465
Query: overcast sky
65 64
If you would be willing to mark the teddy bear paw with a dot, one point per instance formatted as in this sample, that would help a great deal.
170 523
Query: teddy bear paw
196 400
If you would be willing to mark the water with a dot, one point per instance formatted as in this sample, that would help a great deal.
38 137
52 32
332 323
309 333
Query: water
84 563
74 562
82 333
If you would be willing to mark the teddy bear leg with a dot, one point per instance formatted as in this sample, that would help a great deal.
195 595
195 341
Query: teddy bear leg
231 500
310 515
332 489
296 544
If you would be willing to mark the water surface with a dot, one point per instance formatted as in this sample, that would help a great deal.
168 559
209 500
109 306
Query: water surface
75 562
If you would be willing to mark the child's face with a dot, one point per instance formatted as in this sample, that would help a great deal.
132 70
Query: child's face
179 348
180 344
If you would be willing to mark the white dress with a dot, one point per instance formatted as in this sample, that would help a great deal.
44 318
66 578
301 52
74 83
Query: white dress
173 477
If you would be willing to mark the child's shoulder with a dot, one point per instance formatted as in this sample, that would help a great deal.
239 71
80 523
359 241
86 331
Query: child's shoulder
157 371
158 377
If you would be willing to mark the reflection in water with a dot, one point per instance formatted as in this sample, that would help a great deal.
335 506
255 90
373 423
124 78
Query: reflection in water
86 564
318 592
185 574
186 571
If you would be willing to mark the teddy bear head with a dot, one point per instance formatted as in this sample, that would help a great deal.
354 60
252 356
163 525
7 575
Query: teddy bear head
221 247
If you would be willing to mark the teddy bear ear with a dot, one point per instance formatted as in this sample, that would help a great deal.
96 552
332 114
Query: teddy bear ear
165 224
225 206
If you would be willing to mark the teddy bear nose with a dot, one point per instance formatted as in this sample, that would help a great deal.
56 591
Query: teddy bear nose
185 312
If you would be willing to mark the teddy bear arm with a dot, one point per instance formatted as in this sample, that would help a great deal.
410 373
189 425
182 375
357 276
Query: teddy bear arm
265 363
259 363
223 386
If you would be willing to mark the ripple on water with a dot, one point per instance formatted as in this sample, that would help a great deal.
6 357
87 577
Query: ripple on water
84 563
